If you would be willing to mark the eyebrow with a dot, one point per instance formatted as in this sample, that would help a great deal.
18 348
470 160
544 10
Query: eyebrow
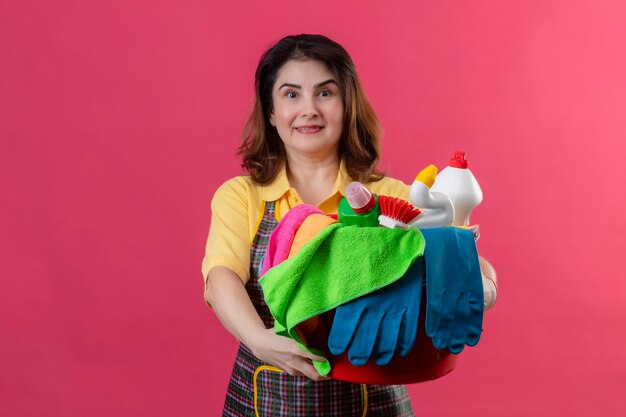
323 83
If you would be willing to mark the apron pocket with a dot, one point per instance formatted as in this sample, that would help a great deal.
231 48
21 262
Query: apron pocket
277 393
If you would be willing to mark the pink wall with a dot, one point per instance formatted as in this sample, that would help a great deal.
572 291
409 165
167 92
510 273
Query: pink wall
119 119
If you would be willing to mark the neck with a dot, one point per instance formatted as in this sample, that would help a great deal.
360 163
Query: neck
312 179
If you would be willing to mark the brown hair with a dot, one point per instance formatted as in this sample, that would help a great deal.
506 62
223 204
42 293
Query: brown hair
262 149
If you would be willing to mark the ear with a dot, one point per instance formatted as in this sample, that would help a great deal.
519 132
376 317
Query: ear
272 119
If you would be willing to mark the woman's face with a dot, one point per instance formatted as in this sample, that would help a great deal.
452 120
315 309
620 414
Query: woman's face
308 109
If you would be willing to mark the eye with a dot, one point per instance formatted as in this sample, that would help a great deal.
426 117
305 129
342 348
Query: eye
325 93
291 94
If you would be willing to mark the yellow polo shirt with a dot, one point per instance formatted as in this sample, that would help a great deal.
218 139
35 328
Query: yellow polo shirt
238 205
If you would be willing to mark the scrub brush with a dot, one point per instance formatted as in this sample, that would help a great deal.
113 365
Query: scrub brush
395 212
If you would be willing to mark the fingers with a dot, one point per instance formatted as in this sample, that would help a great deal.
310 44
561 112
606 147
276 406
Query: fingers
302 366
307 370
434 302
363 344
312 357
343 328
458 334
300 363
408 329
446 319
490 293
285 354
475 326
387 338
476 310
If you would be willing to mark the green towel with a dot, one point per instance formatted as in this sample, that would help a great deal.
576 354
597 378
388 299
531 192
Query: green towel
338 265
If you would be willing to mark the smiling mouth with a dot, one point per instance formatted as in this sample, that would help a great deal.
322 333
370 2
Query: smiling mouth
309 129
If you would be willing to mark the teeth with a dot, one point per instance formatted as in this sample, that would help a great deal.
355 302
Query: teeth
307 129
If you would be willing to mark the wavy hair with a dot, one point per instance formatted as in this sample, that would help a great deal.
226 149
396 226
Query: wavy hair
262 150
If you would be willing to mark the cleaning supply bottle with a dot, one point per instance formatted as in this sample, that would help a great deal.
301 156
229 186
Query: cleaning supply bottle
458 183
359 206
437 208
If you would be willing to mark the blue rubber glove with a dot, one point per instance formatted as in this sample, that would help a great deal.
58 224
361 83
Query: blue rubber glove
380 323
454 289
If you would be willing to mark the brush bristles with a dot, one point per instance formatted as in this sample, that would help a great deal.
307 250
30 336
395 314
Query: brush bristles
397 209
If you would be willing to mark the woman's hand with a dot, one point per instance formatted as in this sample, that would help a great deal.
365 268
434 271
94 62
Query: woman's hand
226 294
284 353
490 286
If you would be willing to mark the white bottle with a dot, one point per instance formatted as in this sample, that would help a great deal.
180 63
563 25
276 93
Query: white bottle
437 208
458 183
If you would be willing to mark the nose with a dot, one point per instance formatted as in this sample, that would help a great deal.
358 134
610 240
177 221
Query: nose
309 107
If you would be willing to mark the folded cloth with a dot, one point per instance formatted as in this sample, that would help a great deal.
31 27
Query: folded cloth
280 241
339 264
309 228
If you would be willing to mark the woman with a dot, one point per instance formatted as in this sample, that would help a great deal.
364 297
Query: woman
311 132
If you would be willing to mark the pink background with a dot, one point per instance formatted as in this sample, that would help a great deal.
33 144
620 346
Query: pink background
119 119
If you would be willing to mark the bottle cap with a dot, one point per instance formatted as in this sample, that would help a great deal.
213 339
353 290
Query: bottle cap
427 175
361 199
459 160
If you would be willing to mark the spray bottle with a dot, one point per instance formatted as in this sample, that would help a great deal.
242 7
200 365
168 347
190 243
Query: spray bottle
458 183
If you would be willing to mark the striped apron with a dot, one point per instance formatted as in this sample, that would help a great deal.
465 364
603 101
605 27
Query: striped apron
260 390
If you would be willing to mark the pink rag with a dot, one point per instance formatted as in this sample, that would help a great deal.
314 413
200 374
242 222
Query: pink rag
280 241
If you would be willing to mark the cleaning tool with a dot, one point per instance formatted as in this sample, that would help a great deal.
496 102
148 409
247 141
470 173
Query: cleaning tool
437 207
363 208
395 212
457 182
341 263
454 289
359 207
377 323
380 323
423 363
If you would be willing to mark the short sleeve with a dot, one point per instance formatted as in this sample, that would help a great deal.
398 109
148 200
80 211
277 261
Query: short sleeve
228 243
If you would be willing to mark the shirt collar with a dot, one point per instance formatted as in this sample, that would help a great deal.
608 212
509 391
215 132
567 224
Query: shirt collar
280 185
